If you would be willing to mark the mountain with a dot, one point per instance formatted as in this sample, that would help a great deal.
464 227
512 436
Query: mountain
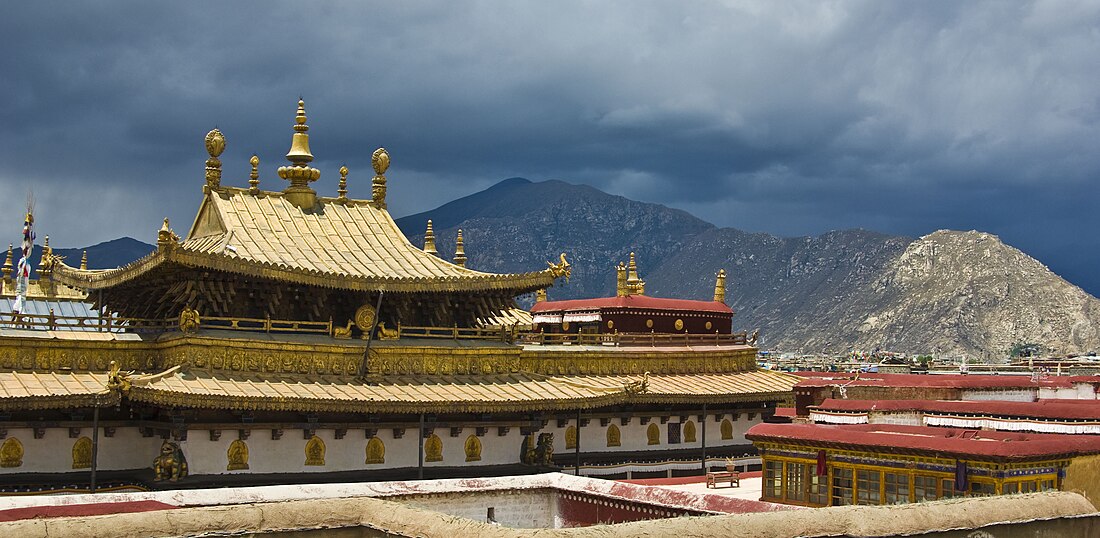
517 226
107 255
950 293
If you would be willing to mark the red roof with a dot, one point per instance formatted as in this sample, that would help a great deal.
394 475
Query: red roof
929 440
1050 409
785 412
631 301
954 381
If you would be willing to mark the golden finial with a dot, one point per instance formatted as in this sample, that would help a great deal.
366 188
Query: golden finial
380 160
429 240
634 285
460 251
540 296
166 237
720 287
620 280
7 265
254 175
215 145
299 173
84 261
45 261
342 190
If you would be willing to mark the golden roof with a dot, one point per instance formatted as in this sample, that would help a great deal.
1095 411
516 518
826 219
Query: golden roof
53 390
440 394
296 236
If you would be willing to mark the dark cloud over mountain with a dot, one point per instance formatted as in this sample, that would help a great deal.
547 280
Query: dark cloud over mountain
780 117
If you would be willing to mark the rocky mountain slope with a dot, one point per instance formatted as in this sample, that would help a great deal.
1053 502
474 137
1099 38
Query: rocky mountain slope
951 293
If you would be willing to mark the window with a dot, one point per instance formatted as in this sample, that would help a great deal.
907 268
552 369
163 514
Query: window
1010 487
982 488
867 487
773 479
796 482
842 487
924 488
1029 486
896 488
1046 485
819 486
948 489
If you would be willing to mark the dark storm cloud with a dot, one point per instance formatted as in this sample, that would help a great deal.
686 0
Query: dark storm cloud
793 118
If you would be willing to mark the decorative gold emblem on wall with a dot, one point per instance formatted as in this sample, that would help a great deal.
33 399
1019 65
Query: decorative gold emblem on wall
708 326
237 456
376 451
649 323
565 325
727 429
613 436
571 437
82 453
11 454
364 319
679 324
689 432
610 324
473 448
653 434
315 451
433 448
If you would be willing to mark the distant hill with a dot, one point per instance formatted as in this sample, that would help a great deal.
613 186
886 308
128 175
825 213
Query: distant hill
850 289
107 255
517 226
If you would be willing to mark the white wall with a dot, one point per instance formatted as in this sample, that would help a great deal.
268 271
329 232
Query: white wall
521 509
53 453
633 436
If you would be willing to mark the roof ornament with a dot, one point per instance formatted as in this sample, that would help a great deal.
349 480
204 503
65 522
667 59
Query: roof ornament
460 250
561 269
7 266
215 145
380 160
342 190
299 173
166 238
254 175
620 280
634 285
540 296
720 287
84 261
429 240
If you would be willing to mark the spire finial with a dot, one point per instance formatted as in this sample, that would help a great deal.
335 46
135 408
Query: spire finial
720 287
166 238
342 190
634 284
540 296
254 176
620 281
299 173
215 145
460 250
8 266
429 240
84 261
380 160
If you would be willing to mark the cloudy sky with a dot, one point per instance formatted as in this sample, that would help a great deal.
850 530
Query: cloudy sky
784 117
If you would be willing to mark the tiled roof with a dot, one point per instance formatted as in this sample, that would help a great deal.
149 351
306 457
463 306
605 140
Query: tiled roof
51 390
342 244
956 381
483 393
1055 409
929 440
631 301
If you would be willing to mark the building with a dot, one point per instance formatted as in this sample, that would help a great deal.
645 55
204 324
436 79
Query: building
291 337
632 311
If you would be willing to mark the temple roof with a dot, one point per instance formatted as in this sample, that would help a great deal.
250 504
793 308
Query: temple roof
52 390
929 440
471 393
631 302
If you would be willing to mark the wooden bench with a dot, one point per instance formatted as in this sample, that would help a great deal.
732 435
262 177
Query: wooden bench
733 477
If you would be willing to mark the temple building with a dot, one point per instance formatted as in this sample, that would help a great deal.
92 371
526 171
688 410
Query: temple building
632 311
293 337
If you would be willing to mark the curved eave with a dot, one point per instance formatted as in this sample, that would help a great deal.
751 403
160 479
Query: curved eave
103 279
107 398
